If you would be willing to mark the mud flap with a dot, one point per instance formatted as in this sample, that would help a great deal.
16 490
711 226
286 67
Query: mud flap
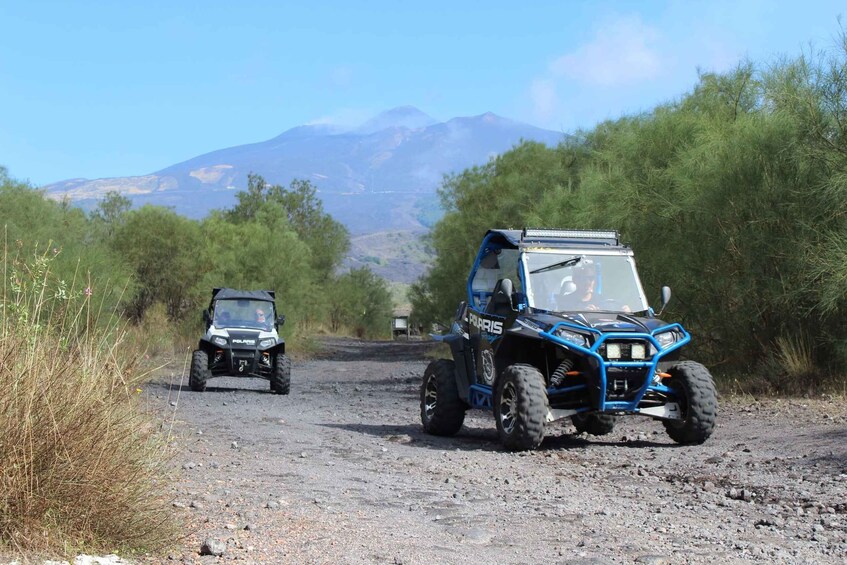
464 364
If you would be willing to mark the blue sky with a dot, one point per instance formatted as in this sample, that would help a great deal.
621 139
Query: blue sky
97 89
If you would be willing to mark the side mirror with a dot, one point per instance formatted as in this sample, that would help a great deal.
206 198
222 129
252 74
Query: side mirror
281 320
666 297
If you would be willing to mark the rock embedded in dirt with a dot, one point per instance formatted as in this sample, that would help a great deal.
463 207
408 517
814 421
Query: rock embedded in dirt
212 546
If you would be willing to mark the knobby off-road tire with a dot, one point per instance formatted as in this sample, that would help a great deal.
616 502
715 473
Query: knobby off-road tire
199 371
520 407
594 424
281 377
698 403
442 411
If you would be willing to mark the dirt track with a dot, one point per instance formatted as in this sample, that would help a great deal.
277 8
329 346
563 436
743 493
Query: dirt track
340 471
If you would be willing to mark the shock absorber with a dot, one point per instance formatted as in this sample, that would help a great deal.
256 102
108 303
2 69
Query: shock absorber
558 377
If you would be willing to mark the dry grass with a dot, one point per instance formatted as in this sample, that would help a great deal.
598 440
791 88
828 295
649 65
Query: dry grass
795 356
81 467
791 371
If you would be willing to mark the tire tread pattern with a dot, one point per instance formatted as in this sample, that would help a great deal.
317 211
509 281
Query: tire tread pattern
281 376
531 410
449 412
701 398
199 371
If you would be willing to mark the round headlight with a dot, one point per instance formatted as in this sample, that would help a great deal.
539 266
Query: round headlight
267 342
218 340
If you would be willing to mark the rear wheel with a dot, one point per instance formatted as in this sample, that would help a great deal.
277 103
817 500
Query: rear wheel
199 371
442 410
281 377
520 407
698 403
594 424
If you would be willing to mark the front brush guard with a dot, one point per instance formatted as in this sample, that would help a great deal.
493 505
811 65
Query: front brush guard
671 412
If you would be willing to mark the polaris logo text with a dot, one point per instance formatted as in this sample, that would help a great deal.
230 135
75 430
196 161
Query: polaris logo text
485 325
244 341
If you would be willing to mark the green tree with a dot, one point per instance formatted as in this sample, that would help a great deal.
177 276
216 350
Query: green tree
735 195
165 252
327 239
513 190
110 212
361 302
262 254
34 225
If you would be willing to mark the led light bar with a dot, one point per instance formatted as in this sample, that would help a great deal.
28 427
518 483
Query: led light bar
570 234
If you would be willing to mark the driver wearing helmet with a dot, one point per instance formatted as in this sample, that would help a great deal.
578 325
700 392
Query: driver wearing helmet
580 292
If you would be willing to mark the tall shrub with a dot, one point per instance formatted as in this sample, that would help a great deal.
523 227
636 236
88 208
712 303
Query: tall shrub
81 468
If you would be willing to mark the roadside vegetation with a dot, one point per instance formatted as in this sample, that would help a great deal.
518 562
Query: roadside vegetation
735 195
80 466
87 297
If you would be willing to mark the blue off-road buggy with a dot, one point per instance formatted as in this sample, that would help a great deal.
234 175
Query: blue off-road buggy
241 340
557 325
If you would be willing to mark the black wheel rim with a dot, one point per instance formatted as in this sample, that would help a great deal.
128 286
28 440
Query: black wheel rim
430 398
488 366
508 407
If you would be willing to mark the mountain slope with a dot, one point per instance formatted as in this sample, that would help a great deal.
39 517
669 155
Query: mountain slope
381 175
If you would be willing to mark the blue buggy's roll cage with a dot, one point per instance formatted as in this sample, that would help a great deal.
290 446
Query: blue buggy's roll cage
531 237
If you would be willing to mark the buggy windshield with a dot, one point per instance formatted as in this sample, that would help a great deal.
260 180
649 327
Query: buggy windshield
244 313
575 282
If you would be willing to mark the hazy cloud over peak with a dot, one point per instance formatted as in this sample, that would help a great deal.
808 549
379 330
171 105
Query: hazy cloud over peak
622 51
343 118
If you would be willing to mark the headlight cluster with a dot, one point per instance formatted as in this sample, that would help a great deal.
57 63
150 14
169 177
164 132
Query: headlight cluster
267 342
218 340
572 337
666 339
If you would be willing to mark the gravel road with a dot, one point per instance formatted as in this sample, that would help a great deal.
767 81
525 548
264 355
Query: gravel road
339 471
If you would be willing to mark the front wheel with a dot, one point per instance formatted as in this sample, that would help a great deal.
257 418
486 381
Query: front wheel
199 371
442 410
594 424
698 403
520 407
281 377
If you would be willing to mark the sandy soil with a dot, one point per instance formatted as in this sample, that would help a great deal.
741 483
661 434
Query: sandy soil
340 471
